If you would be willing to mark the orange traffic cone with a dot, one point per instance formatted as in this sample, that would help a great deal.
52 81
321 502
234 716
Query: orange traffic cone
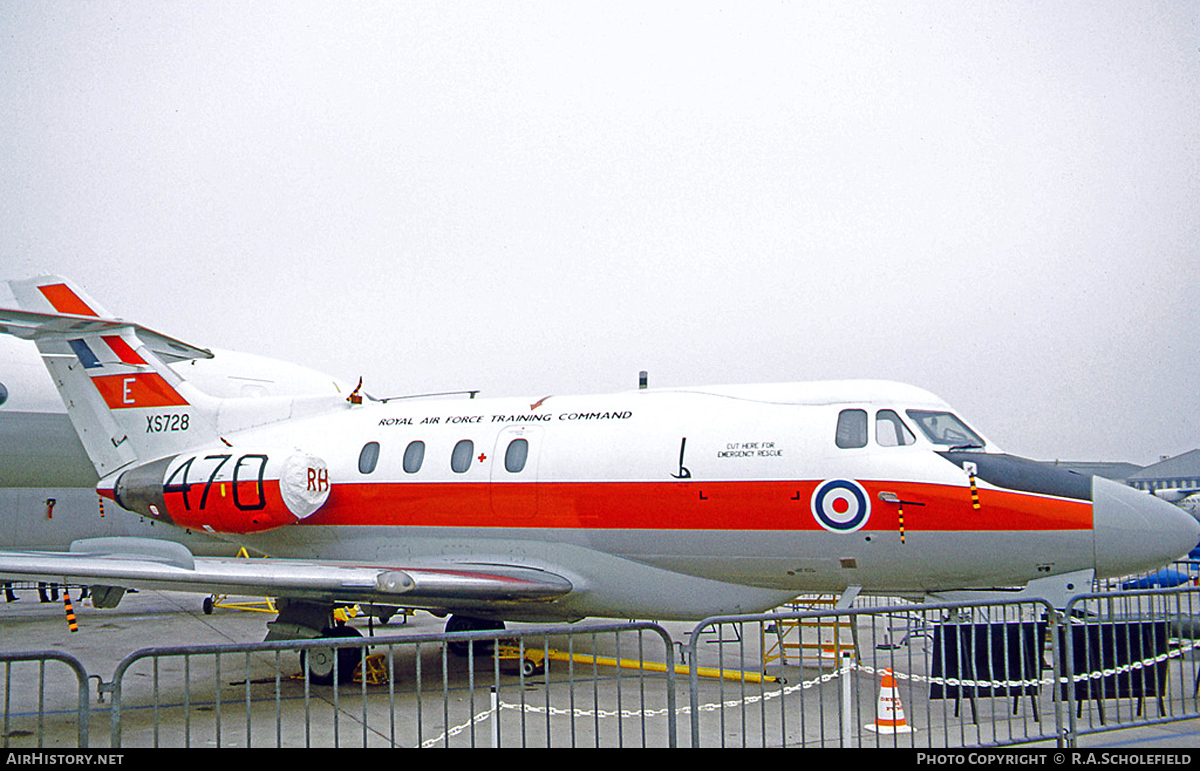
889 715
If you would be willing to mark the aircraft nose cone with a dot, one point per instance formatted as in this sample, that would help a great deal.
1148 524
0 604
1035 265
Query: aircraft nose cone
1136 531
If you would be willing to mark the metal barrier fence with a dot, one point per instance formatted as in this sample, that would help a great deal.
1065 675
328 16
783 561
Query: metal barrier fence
898 676
1130 658
904 675
39 719
951 674
533 687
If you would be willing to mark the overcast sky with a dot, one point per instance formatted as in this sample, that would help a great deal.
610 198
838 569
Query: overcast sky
999 202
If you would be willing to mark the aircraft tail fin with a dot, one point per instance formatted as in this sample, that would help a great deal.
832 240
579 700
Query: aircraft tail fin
125 403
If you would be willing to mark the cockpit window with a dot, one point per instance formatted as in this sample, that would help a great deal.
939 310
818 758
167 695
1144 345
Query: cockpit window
890 430
945 428
852 429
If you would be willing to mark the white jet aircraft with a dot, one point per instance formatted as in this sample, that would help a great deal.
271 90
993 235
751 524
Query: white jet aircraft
673 503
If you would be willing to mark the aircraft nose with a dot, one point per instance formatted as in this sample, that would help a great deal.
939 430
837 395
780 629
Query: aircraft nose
1135 531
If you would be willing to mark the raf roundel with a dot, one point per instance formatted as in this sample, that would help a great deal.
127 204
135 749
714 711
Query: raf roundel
841 505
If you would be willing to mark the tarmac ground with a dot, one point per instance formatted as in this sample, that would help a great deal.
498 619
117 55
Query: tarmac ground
291 712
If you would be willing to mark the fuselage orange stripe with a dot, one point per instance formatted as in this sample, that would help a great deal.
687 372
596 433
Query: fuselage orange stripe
744 505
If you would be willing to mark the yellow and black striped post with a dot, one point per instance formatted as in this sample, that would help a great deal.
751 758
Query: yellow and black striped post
900 511
70 610
971 470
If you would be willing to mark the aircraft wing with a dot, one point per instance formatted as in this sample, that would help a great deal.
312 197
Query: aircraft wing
139 563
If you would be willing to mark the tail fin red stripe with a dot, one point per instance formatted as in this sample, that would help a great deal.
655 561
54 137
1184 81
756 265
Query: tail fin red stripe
65 301
147 389
122 349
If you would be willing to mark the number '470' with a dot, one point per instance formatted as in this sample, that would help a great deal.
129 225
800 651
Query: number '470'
253 465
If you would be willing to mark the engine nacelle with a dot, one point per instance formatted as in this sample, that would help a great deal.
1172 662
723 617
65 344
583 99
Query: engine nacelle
226 491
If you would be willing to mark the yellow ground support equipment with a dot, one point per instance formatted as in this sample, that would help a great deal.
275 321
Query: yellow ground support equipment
819 641
534 659
373 670
266 605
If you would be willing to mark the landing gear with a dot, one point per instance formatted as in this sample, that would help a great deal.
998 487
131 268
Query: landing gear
472 624
320 661
302 620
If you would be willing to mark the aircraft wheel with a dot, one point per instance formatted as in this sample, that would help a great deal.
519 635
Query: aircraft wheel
458 623
319 661
208 606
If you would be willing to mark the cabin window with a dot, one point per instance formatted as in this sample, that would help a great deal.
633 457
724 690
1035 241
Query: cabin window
414 456
368 458
945 428
852 429
460 459
890 430
516 455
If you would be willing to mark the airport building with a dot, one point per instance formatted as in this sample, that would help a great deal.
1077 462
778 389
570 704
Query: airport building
1180 472
1117 472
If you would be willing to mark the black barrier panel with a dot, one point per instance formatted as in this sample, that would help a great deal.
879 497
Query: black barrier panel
1103 656
984 660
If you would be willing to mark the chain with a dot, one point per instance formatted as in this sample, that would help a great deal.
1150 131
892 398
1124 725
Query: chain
821 680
